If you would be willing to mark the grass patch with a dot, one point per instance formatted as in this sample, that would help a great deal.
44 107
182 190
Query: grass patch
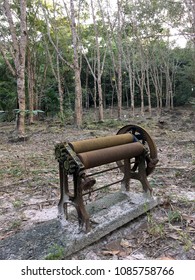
15 224
17 203
106 124
56 253
185 238
174 216
15 171
155 228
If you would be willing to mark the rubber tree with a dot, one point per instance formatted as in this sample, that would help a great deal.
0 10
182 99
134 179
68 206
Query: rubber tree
17 51
99 66
73 63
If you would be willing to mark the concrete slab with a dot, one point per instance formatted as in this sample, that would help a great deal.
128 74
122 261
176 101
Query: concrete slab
51 237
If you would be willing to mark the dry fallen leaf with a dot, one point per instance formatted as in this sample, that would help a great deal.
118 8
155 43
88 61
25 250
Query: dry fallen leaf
113 246
124 243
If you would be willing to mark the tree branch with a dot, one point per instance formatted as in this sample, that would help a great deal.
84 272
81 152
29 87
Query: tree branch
8 14
53 44
12 70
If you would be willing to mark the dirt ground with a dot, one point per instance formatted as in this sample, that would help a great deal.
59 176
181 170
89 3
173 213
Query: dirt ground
29 184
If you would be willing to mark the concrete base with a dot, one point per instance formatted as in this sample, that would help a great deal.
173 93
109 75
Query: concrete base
47 239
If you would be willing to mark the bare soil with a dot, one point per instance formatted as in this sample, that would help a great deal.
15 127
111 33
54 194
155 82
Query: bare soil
29 184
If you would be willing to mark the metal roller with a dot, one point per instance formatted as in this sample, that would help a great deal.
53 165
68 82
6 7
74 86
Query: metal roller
107 155
101 143
132 149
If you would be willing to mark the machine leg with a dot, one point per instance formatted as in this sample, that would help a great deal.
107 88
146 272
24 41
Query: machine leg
143 176
83 216
64 198
125 185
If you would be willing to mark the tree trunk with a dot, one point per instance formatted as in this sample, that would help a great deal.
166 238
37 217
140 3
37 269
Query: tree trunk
101 111
78 98
60 89
86 89
30 87
129 67
132 92
119 67
140 82
167 87
19 46
99 72
78 88
161 91
119 92
21 102
148 89
142 98
95 99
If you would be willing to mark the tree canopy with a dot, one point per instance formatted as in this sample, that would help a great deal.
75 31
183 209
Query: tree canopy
98 54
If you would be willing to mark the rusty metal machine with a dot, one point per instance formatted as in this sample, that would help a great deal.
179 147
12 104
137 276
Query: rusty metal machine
133 150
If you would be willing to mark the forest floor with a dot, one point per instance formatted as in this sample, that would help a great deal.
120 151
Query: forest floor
29 184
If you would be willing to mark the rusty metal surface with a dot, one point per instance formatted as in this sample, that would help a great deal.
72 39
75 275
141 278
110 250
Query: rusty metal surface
144 137
65 155
132 149
103 156
101 143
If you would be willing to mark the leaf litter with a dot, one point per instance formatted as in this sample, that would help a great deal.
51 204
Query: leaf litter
29 190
